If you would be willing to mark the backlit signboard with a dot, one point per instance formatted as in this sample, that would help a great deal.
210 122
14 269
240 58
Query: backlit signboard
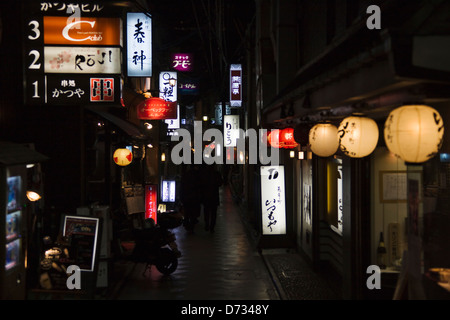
273 210
151 202
83 31
182 62
235 85
230 130
82 60
139 45
168 191
168 85
157 109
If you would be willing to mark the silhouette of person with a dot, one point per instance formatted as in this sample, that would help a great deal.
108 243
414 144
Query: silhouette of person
211 181
191 196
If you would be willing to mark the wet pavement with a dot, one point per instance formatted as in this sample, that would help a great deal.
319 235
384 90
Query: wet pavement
224 265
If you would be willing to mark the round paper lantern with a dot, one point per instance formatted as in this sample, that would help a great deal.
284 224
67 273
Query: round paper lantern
122 156
358 136
324 139
274 138
414 132
287 138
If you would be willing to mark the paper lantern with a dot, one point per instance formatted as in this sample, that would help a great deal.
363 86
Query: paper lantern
287 138
358 136
274 138
324 139
122 156
414 132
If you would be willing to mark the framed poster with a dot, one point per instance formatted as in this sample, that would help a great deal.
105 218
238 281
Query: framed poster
83 232
393 185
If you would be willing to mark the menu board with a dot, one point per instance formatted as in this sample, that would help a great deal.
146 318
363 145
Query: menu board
83 232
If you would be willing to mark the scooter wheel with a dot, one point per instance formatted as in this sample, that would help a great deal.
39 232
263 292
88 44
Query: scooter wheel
167 262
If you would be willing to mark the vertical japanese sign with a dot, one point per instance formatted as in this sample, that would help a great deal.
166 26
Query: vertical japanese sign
235 85
151 205
230 130
139 45
168 86
168 191
273 206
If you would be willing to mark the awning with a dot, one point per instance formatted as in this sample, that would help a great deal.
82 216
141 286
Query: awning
127 127
18 154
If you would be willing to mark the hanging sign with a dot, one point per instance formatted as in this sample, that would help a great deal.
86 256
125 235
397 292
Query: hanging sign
273 210
157 109
83 31
168 85
151 204
139 45
182 62
230 130
235 85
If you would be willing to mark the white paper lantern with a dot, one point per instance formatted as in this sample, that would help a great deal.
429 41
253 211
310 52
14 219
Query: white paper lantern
324 139
122 156
358 136
415 133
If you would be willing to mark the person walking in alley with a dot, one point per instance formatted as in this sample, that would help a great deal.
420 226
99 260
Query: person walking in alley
191 196
211 180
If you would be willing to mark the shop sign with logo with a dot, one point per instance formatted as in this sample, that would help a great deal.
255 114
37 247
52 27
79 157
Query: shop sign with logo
230 130
151 202
235 85
157 109
139 45
83 31
273 206
75 89
82 60
182 62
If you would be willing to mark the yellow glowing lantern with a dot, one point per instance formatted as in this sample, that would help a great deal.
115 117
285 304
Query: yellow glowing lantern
122 156
415 133
358 136
324 139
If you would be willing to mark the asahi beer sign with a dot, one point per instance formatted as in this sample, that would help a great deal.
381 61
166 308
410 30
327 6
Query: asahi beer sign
139 45
273 210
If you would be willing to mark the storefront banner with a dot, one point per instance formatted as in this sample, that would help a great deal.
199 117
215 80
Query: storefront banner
139 45
168 89
230 130
273 206
182 62
236 85
157 109
151 202
83 31
82 60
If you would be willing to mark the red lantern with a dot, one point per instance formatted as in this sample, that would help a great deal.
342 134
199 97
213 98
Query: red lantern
274 138
287 138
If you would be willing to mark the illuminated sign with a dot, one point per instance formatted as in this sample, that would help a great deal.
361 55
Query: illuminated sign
157 109
168 85
139 45
173 124
230 130
168 191
273 210
235 85
182 62
83 31
82 60
151 205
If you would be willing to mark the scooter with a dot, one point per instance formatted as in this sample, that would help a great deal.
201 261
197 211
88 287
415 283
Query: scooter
156 244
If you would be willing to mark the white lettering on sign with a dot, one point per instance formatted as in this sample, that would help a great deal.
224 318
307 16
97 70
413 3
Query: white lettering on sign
66 35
